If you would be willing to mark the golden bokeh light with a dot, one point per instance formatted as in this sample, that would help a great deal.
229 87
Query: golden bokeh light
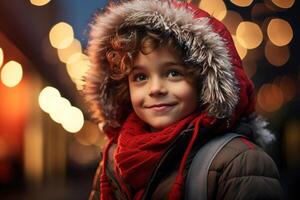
277 56
76 57
242 3
270 97
66 53
39 2
240 49
280 32
11 74
1 57
48 98
284 3
249 35
72 119
78 68
232 20
216 8
61 35
61 105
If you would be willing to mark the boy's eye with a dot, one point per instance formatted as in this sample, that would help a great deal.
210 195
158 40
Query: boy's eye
139 77
174 74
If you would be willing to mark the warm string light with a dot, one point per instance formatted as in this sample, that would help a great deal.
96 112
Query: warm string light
279 32
61 35
11 73
77 66
70 52
249 35
216 8
284 3
39 2
65 54
60 109
242 3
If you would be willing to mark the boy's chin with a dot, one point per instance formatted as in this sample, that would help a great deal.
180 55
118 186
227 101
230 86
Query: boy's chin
155 127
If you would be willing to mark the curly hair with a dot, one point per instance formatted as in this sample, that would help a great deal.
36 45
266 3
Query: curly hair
120 55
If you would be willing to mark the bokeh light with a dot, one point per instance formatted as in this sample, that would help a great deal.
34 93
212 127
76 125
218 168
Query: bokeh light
232 20
39 2
47 98
284 3
61 104
216 8
279 32
72 119
242 3
249 35
1 57
240 49
77 66
270 97
11 74
66 53
277 56
61 35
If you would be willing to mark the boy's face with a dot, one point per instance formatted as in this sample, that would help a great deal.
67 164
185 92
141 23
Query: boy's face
159 89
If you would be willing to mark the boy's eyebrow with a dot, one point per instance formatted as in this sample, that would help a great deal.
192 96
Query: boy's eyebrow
164 64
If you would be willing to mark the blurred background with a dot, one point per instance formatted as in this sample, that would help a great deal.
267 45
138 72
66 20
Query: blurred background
49 149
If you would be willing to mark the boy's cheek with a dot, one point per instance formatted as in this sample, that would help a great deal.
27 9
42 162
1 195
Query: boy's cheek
137 97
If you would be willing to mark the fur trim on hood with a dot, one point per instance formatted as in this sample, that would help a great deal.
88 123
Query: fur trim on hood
226 90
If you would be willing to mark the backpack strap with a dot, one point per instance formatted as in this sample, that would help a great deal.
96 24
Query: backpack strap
196 181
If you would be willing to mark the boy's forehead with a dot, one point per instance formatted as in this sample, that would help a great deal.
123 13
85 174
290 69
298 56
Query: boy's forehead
162 56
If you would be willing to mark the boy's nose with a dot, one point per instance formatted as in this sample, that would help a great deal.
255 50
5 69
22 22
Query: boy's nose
157 87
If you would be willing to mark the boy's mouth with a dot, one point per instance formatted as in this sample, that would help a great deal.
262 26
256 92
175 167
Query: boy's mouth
161 107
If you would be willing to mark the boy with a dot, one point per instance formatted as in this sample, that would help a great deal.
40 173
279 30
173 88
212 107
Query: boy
165 79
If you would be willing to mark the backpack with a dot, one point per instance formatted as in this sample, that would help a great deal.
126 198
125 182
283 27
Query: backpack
196 181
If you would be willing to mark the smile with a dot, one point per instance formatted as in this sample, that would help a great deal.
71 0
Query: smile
161 107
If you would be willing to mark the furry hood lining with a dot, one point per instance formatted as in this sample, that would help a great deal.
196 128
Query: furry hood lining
203 44
204 47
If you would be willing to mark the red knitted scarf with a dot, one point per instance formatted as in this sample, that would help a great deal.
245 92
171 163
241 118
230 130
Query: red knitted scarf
139 151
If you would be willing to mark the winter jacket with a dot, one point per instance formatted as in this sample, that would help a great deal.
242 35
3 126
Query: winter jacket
241 170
